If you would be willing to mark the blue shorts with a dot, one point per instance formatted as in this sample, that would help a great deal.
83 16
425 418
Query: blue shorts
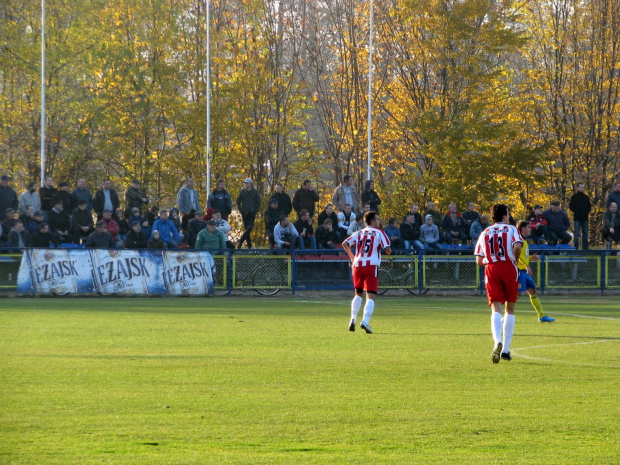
526 281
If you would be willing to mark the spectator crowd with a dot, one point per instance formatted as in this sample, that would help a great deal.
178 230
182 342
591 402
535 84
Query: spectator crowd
54 215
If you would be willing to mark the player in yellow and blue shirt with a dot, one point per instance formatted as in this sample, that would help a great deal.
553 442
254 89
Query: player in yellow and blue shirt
525 272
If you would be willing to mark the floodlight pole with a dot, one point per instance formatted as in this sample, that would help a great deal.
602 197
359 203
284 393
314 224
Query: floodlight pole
208 98
42 92
370 91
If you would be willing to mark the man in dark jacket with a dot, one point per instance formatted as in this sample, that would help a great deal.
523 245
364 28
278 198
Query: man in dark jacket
106 198
305 197
60 224
614 196
134 197
65 196
611 224
557 224
82 220
46 194
220 199
248 203
135 239
194 226
328 212
284 200
272 218
19 237
82 193
580 206
43 237
100 239
453 225
469 216
8 197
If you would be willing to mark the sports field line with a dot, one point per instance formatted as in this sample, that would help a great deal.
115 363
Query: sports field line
565 362
587 316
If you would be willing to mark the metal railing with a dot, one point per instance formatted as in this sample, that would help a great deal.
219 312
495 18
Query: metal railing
267 272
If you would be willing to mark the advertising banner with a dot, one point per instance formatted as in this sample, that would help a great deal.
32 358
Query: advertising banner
107 272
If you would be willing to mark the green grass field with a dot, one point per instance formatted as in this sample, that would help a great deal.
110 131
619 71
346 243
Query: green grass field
281 381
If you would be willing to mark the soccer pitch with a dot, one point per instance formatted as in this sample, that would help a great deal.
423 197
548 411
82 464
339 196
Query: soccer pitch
282 381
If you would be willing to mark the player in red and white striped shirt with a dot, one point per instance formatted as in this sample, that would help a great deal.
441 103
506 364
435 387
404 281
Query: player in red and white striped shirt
498 248
368 243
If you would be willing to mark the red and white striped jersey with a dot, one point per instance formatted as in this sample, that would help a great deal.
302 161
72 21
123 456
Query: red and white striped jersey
368 243
495 243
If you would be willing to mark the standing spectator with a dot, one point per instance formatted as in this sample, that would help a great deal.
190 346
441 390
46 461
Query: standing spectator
82 224
106 198
60 224
135 239
285 235
538 224
328 212
30 197
417 217
272 218
8 197
393 233
453 225
346 193
369 195
614 196
7 223
194 226
19 237
437 217
151 215
478 226
558 223
345 219
43 237
211 238
134 197
429 234
156 242
123 224
222 225
220 199
188 198
284 200
65 196
580 206
111 227
611 225
82 193
325 238
167 230
248 203
410 231
46 194
498 249
305 230
469 216
305 198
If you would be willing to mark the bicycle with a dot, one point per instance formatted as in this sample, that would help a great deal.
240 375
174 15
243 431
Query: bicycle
398 272
265 278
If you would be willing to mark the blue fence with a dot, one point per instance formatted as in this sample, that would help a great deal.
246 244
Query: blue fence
454 268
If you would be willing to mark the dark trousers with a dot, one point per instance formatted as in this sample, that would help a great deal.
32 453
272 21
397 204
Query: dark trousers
248 225
560 236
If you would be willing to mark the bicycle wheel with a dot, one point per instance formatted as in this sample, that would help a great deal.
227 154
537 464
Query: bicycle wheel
385 278
268 280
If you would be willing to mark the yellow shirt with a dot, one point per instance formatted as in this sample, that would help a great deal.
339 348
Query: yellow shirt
524 258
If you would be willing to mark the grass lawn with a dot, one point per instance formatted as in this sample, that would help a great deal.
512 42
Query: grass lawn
281 381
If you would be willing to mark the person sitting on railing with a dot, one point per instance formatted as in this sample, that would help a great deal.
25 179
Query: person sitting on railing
100 238
7 224
285 235
410 232
611 225
478 226
540 233
393 232
167 230
305 230
194 226
272 217
111 227
33 225
60 224
222 225
328 213
82 224
19 237
558 224
43 237
210 238
325 238
345 218
135 239
453 225
429 234
156 242
358 225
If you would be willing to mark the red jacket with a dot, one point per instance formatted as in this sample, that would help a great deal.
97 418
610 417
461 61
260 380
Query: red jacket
111 227
536 221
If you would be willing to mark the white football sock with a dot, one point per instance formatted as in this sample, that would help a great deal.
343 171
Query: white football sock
368 309
509 329
356 303
496 327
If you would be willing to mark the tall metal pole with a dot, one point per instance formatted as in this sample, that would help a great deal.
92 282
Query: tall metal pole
208 95
42 92
370 90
